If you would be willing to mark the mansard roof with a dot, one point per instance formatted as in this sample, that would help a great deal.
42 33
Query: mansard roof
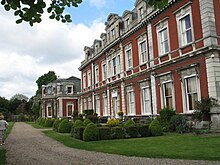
126 12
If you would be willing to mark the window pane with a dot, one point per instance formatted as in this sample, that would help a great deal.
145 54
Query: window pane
187 21
191 85
192 99
189 36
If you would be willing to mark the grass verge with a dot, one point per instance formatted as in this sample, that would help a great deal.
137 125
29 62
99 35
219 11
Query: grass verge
2 151
37 126
173 146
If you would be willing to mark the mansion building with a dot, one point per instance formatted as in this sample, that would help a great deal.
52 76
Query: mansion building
149 59
60 98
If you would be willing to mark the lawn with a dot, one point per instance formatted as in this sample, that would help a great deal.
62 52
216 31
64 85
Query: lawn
174 146
2 151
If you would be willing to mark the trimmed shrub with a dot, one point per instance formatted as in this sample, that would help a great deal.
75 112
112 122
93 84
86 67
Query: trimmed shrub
77 123
93 118
104 133
113 122
48 122
129 123
42 121
118 132
132 131
164 118
143 130
155 128
56 124
64 126
38 120
178 123
78 132
86 122
91 133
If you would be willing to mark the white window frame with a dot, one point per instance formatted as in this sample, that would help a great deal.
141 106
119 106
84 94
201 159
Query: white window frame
145 110
97 105
162 41
89 102
84 80
129 59
49 106
105 105
109 68
187 94
84 103
131 105
118 63
69 86
182 32
127 22
114 65
89 78
67 110
164 97
104 72
143 56
96 75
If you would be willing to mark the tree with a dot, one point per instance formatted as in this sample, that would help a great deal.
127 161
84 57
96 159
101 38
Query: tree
31 10
4 105
19 97
44 80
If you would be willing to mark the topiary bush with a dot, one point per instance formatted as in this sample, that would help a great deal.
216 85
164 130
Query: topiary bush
143 130
86 122
56 124
91 133
78 132
113 122
155 128
132 131
42 121
129 123
104 133
118 132
78 123
165 116
48 122
64 126
179 124
38 120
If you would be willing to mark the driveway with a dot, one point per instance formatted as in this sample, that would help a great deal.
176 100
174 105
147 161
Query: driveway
29 146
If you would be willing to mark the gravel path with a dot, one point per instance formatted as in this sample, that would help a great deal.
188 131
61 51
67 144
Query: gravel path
29 146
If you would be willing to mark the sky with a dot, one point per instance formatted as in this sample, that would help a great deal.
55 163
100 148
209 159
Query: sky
26 53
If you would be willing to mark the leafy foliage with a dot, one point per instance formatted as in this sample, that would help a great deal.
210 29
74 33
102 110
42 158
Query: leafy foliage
129 123
118 132
165 116
178 123
31 10
155 128
77 132
104 133
65 126
143 130
203 108
113 122
91 133
45 79
132 131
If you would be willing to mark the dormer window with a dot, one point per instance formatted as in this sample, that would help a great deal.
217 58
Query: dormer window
141 12
127 21
69 89
113 32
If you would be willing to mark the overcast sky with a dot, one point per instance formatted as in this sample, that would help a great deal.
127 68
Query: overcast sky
27 52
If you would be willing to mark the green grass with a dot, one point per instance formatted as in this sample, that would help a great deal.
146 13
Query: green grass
2 151
33 124
174 146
